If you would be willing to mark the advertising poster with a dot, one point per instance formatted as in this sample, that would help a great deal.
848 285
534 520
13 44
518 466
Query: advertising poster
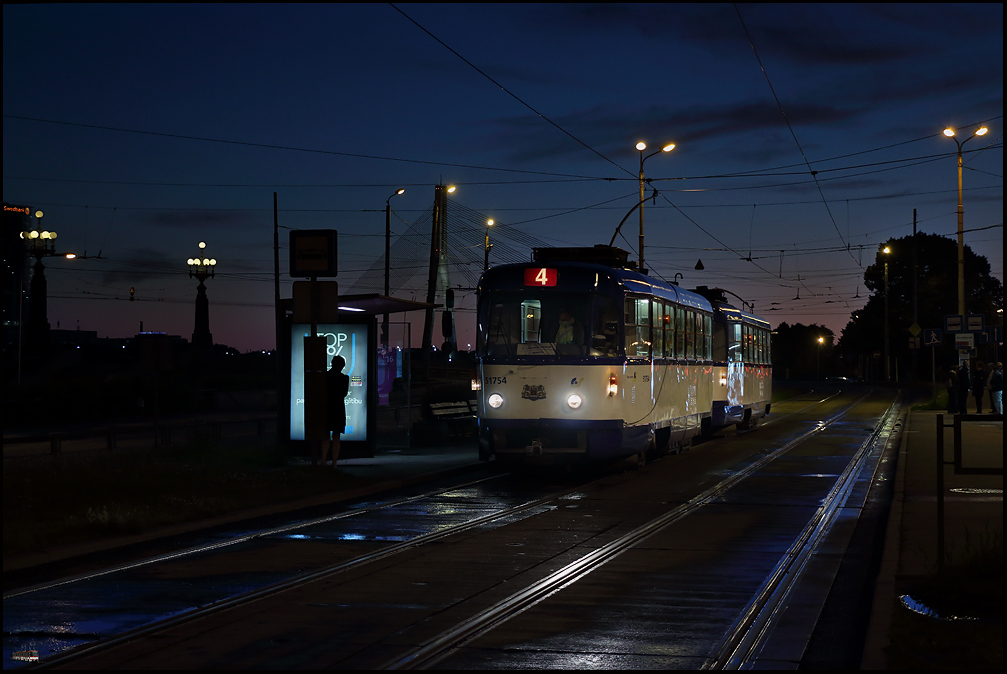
348 341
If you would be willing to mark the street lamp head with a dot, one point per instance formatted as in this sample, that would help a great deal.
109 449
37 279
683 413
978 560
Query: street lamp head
400 191
981 131
886 250
451 189
949 132
202 244
641 146
668 148
821 340
38 214
490 222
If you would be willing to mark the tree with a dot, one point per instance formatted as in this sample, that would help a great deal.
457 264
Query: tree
937 297
797 353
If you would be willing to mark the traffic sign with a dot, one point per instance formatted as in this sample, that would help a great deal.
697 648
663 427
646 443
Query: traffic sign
915 329
991 334
914 342
953 323
932 337
974 322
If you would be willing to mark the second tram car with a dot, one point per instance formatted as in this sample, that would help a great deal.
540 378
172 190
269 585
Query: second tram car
582 359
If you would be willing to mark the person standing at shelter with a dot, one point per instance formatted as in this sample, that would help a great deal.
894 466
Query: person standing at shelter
964 386
979 385
337 388
997 389
952 386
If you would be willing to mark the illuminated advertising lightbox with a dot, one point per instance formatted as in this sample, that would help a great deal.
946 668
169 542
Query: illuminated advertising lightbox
349 341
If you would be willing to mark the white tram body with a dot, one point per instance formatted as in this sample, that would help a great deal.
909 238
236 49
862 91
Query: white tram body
582 359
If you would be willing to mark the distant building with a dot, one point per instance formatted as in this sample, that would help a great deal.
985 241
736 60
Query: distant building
16 274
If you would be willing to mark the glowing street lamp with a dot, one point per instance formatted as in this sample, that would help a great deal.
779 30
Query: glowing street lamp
388 248
950 133
202 268
641 146
487 245
888 370
818 359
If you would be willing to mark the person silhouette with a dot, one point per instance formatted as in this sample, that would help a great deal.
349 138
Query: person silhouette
337 388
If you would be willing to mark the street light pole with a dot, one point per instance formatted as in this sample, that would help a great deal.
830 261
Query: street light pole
888 377
818 359
487 245
388 247
641 146
950 133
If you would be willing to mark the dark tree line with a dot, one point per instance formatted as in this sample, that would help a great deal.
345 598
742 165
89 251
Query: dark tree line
936 297
797 353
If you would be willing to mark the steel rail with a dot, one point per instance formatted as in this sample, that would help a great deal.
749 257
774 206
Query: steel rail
70 655
441 646
744 641
237 539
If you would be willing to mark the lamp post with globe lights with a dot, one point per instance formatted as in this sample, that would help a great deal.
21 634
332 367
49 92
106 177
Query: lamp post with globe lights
950 133
40 243
202 268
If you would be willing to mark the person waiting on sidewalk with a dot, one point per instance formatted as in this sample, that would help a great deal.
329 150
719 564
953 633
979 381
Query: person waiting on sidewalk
338 386
951 384
979 385
964 386
997 389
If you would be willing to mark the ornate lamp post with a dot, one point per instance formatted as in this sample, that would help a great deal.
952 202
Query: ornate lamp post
202 268
641 146
40 243
950 133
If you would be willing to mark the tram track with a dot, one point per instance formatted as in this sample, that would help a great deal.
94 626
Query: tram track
441 646
743 640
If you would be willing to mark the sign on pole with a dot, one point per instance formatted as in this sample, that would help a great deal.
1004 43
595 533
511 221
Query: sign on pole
953 323
313 253
974 323
932 337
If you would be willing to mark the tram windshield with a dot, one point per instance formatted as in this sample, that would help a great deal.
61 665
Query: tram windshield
549 324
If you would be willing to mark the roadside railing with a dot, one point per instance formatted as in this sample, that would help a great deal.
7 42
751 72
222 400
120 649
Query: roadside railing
959 468
138 436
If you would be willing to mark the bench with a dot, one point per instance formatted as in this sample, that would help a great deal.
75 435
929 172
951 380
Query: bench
445 420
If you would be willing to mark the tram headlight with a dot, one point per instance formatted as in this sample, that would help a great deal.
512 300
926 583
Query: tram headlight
574 400
495 400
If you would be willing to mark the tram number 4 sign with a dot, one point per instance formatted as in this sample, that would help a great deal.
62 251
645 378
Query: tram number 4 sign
540 276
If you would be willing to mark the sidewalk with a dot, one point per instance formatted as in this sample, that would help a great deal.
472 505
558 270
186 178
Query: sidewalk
972 503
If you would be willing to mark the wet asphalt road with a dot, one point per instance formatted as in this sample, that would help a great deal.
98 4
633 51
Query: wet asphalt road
665 603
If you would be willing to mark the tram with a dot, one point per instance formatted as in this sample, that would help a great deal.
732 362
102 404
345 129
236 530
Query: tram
583 359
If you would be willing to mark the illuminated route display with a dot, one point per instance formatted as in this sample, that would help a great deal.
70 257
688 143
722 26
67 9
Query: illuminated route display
349 341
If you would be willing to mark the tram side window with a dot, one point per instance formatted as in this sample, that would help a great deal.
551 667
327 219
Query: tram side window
669 330
761 334
659 311
638 328
734 342
708 337
690 334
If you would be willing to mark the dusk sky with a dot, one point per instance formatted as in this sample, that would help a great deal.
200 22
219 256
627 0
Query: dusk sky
143 130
